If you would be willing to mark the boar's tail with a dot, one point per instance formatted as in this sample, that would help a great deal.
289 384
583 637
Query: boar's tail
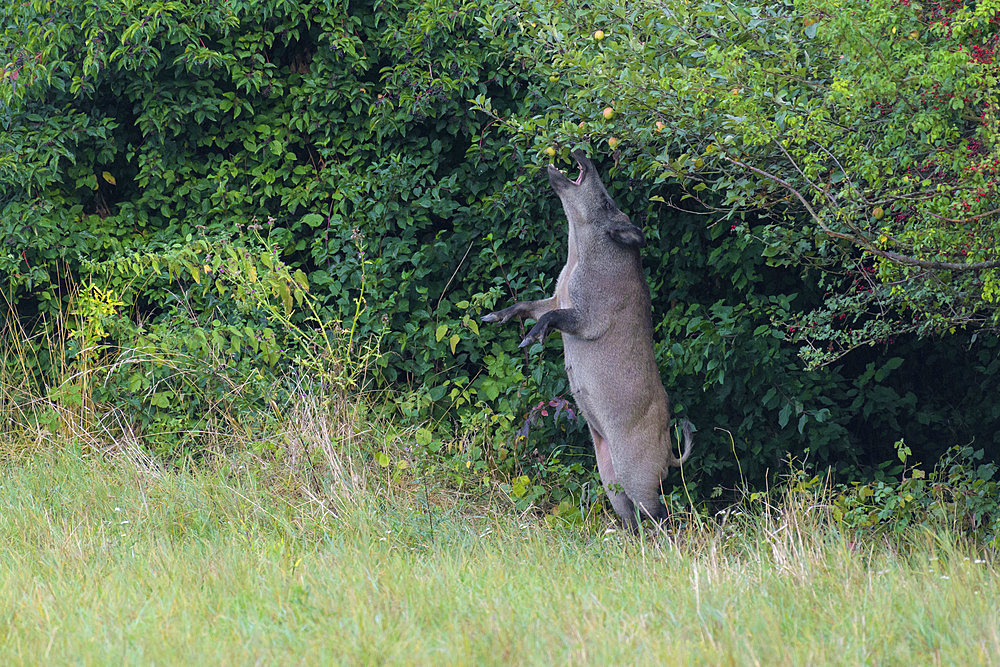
688 440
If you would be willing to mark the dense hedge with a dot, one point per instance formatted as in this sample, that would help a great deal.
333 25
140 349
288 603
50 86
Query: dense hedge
163 159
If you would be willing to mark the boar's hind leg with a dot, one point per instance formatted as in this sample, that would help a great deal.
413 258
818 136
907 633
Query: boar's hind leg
619 501
643 488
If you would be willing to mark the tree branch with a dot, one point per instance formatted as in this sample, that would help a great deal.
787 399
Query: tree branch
863 242
961 221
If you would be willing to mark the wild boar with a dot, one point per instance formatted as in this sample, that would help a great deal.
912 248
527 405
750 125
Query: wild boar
602 307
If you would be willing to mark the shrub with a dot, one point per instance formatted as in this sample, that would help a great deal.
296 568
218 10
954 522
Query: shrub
163 160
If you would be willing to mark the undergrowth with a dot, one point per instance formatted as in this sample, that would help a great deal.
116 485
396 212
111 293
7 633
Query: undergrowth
331 424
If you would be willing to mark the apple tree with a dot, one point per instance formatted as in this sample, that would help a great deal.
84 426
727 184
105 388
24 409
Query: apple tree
855 136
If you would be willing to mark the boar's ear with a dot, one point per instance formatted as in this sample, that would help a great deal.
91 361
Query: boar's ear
627 234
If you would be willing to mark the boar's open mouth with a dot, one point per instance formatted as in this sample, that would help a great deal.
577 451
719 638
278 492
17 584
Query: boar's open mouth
558 178
581 172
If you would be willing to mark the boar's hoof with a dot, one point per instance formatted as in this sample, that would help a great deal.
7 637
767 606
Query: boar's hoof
501 316
536 335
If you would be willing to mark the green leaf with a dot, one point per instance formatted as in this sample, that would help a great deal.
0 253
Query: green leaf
301 280
312 219
285 294
784 414
136 381
161 399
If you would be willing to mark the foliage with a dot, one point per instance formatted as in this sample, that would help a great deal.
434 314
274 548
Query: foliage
160 157
859 137
146 131
959 494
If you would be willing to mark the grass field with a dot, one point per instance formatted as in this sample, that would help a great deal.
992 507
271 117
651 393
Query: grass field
107 560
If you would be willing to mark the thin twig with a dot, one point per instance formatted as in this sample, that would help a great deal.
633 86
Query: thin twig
448 284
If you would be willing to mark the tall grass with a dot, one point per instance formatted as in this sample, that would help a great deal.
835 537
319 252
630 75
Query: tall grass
107 561
307 551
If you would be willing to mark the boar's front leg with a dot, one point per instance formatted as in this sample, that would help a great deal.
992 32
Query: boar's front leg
567 320
530 309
